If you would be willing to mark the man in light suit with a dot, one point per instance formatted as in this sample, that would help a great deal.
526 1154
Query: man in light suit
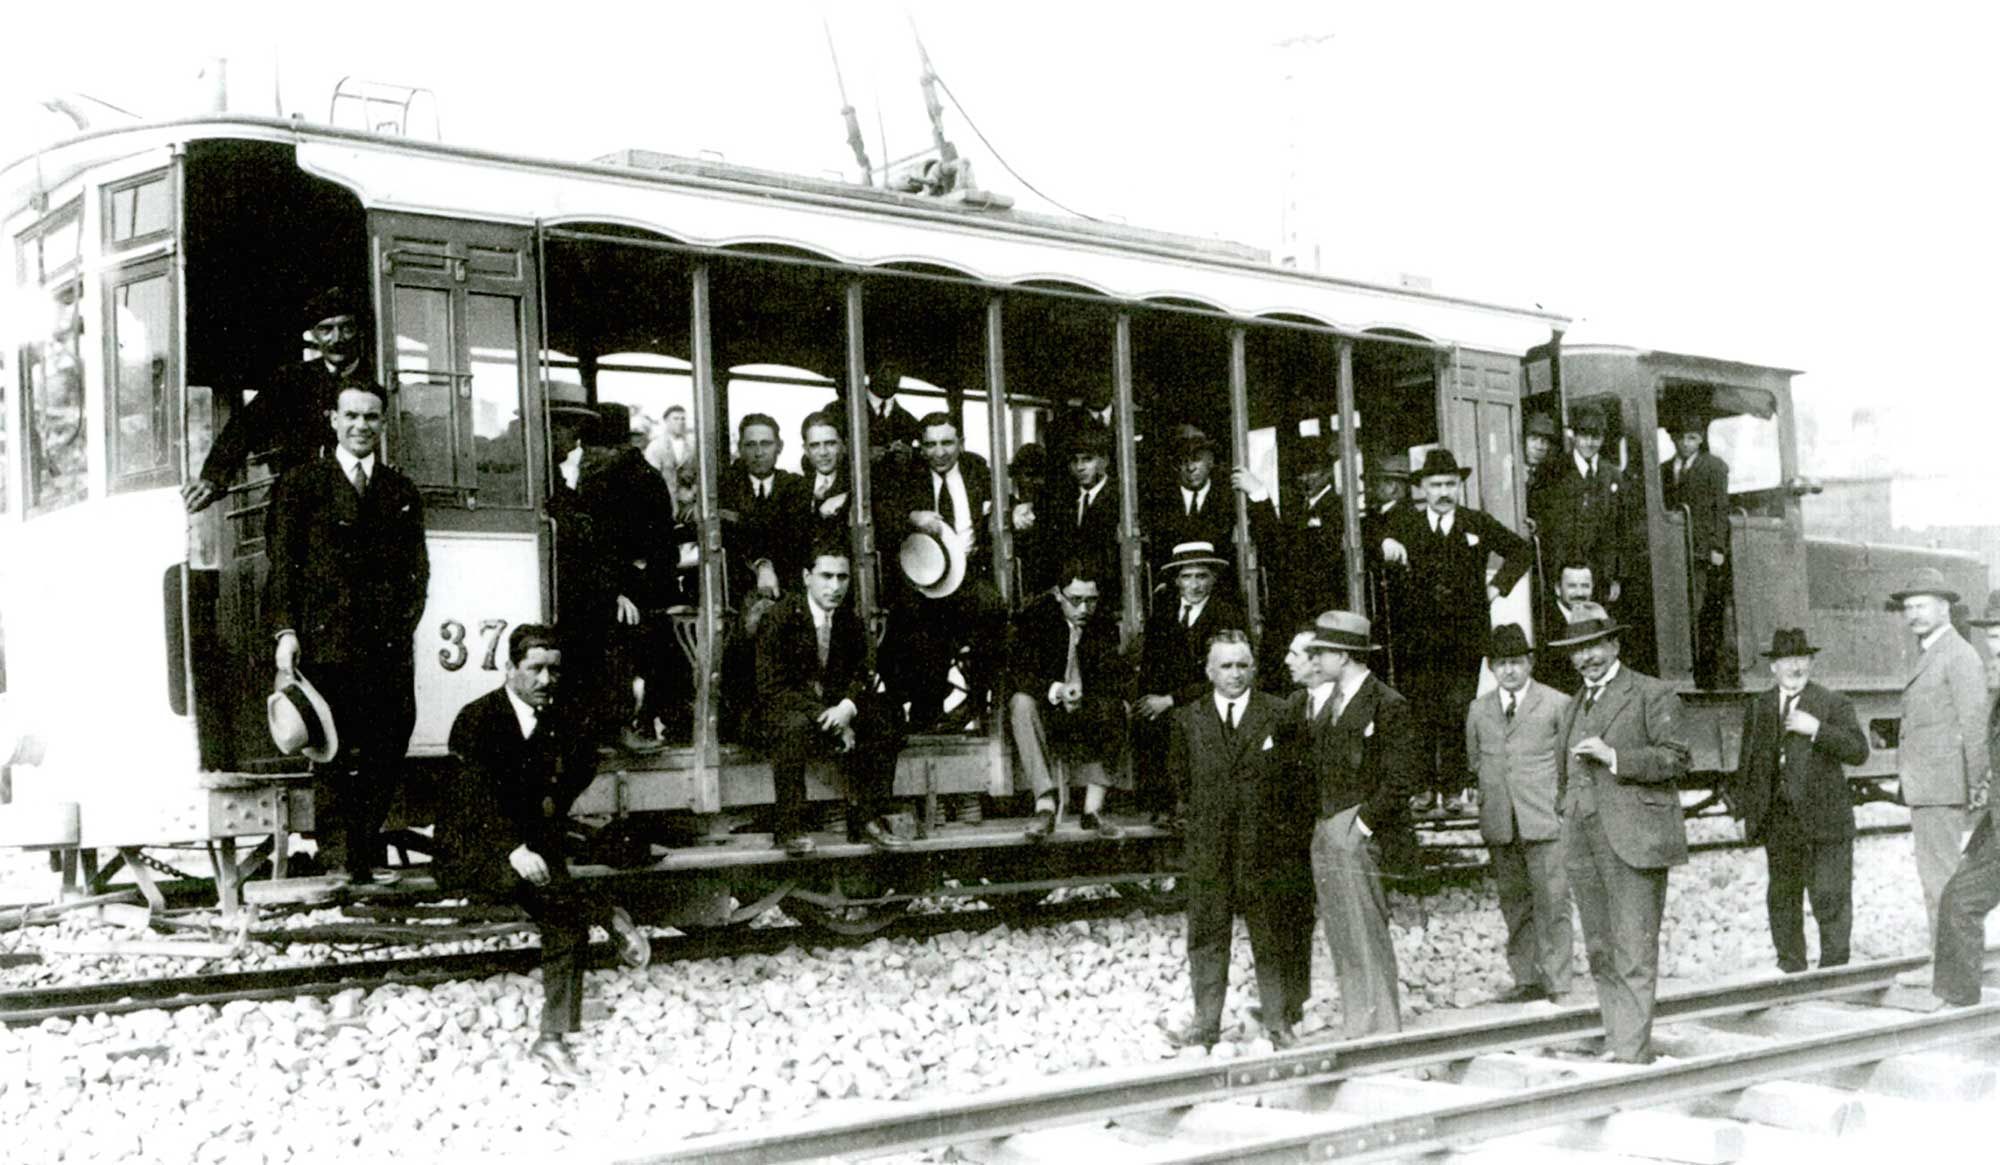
1513 735
1791 791
1974 889
1617 791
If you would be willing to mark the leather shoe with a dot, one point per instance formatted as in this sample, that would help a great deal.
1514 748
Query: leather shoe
1281 1037
635 950
1193 1037
800 846
1293 1015
1042 826
554 1056
878 834
1092 823
1521 993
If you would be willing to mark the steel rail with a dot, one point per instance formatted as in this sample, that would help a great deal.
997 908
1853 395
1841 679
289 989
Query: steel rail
1108 1095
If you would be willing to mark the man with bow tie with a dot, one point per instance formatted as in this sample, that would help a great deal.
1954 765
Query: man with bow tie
1790 789
1174 658
1618 793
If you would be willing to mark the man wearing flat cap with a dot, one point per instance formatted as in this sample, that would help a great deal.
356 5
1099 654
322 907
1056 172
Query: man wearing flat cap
1618 793
286 421
1513 734
1941 744
1974 888
1790 789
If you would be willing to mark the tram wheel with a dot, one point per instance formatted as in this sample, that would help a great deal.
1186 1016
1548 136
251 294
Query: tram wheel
838 912
1018 909
1163 893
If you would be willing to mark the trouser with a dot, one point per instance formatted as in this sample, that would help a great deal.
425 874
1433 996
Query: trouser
1438 698
1156 792
1534 900
1970 895
563 912
1292 918
1086 738
795 738
374 708
923 642
1213 903
1354 910
1937 832
1715 663
1803 867
1620 908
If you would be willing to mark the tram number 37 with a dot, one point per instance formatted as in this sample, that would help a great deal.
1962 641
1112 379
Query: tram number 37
455 651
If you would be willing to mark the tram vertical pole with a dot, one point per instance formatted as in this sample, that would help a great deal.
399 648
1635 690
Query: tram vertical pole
1239 454
860 509
1350 475
1131 615
709 637
999 431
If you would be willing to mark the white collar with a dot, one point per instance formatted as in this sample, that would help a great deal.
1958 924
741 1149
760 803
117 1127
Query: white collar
348 461
1103 414
1187 607
1316 695
1582 466
523 714
767 481
1441 521
1094 490
1195 495
821 617
1223 704
1515 697
1937 633
948 474
879 405
1610 673
1351 683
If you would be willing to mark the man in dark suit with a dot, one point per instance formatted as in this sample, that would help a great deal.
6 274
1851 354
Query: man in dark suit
1301 551
763 513
1173 661
502 831
1191 509
1224 750
816 698
1698 480
1577 506
1067 689
1088 515
893 432
1974 888
1361 755
286 420
825 473
1618 794
1387 479
1791 792
1444 609
1574 583
349 575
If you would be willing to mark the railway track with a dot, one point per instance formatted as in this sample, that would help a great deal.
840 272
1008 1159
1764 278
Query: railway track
1786 1064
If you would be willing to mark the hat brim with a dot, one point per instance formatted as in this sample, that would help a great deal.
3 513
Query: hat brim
1205 560
1417 476
1949 596
1589 637
295 701
1808 649
953 575
1338 645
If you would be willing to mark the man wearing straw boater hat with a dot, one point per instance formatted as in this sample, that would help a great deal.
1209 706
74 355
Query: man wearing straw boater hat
1173 661
1790 789
1941 745
1617 791
1974 888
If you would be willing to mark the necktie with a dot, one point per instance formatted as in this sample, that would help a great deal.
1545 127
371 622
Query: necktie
1333 714
1187 616
1190 503
1082 506
821 485
947 508
763 487
1507 702
824 629
1589 470
1785 710
1072 670
1590 694
1229 717
360 479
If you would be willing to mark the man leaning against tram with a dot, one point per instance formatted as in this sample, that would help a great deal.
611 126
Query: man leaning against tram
286 420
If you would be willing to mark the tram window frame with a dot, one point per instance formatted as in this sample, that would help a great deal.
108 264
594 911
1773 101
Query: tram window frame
160 179
167 408
52 282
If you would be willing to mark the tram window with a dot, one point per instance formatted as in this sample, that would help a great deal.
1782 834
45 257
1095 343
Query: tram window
500 443
424 389
57 437
142 423
138 211
53 247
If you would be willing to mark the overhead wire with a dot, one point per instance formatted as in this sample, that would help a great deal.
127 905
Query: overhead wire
1001 158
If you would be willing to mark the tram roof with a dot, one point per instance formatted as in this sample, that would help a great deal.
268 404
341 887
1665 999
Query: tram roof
1720 365
1134 263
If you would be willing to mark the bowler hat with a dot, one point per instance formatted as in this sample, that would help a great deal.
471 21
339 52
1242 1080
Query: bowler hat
1588 623
934 565
1587 419
300 720
1342 631
1193 445
1992 616
331 302
1787 642
1927 580
1193 554
1541 425
1439 462
1508 641
1393 465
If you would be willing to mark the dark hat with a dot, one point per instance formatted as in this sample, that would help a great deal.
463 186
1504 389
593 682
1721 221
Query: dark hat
1587 419
1193 554
1927 580
1342 631
331 302
1094 440
1541 425
1439 462
1031 458
1193 445
1588 623
1392 465
1787 642
1507 642
1992 616
613 425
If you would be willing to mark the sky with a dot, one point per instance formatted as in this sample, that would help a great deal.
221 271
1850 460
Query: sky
1809 185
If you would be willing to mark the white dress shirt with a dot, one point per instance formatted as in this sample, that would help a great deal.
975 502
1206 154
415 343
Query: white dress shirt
348 461
523 713
1191 612
1224 706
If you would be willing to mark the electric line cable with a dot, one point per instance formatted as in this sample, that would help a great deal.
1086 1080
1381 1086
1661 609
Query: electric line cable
998 157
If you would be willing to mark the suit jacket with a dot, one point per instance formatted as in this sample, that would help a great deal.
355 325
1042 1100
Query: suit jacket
1168 523
1038 652
349 573
1774 764
1640 806
1444 616
509 792
1174 659
1095 539
1516 761
285 421
1942 748
1247 772
1302 554
789 674
631 513
900 427
1366 757
917 490
1704 490
755 529
822 521
1582 520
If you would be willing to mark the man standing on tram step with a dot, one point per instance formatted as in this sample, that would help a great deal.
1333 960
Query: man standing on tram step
1192 509
1067 690
1578 507
522 761
1388 483
1941 743
1539 440
349 574
816 698
286 420
1301 550
1974 888
1513 735
1790 789
1698 481
826 476
630 508
949 495
1090 513
1617 790
1361 756
892 431
1443 609
1226 749
1173 663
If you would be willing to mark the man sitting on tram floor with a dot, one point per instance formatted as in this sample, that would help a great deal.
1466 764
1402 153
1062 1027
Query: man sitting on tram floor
1191 509
816 698
1575 583
1067 695
523 758
286 420
826 476
1173 664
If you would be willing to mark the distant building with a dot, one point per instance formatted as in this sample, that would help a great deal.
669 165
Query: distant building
1938 511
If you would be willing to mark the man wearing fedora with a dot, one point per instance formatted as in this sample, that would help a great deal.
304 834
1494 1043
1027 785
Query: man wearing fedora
1068 688
1974 888
1941 744
1617 791
1698 481
349 576
1360 753
1576 507
1514 736
1303 549
1790 789
1173 660
1443 610
1192 509
522 761
286 420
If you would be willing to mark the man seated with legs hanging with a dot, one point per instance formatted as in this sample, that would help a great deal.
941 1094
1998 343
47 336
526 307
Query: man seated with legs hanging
1068 694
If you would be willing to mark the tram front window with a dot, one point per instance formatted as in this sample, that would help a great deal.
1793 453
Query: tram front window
143 422
52 386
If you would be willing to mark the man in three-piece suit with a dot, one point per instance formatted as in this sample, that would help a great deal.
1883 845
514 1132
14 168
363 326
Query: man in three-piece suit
522 760
816 698
1974 888
1699 481
1513 735
1577 506
1941 746
1360 752
349 575
1224 750
1173 662
1617 790
1791 791
1067 689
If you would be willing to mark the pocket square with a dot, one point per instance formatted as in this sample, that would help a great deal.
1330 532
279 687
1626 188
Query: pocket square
1267 744
1368 731
1471 539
